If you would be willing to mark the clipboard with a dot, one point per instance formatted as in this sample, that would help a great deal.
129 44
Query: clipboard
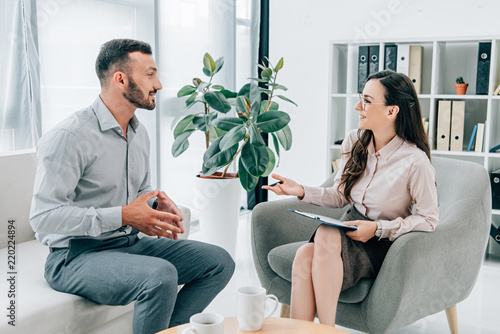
324 219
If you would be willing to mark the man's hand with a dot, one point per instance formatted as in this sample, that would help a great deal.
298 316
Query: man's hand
288 187
158 223
366 230
165 204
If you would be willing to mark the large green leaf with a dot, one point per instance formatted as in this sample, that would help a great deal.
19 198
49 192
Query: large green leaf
228 94
277 86
266 74
263 105
185 124
255 136
241 104
181 143
218 64
215 132
217 101
254 94
277 145
245 91
247 180
227 123
255 159
285 137
209 63
208 74
215 157
270 165
191 100
204 122
279 65
286 99
186 90
233 137
259 80
255 109
272 121
203 85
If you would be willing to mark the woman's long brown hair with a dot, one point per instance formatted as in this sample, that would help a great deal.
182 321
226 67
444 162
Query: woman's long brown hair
399 91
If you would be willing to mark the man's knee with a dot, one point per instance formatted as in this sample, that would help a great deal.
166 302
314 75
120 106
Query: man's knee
222 264
163 276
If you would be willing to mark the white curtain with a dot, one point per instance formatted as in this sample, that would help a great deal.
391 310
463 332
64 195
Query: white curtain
19 79
186 30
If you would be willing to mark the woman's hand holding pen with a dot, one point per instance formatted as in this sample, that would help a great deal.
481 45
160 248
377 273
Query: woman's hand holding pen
285 187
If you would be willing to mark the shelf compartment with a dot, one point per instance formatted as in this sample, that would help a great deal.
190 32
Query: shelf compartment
454 59
475 112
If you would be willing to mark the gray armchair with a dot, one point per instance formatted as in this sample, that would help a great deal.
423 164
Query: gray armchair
423 273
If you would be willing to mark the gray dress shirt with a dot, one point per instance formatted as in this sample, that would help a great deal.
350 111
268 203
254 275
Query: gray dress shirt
86 171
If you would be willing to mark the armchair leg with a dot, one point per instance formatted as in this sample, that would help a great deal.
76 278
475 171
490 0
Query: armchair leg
451 314
285 311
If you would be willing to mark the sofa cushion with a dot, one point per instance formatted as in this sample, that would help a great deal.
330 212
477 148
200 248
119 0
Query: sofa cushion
281 260
37 302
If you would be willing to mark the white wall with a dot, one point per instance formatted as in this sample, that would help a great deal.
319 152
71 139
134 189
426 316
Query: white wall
301 30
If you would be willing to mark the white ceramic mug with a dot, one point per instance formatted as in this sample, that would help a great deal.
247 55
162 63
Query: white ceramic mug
252 306
205 323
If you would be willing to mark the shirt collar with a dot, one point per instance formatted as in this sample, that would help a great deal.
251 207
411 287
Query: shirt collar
388 150
107 120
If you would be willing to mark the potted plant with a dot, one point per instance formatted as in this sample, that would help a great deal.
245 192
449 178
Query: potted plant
461 86
231 141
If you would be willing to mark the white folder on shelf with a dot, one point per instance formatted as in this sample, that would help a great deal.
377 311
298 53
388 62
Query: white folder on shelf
457 126
479 137
443 126
403 64
415 67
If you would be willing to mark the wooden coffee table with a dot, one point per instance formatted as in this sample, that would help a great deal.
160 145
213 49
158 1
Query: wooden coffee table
270 325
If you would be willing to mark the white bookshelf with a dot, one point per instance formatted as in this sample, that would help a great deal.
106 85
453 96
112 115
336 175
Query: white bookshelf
444 59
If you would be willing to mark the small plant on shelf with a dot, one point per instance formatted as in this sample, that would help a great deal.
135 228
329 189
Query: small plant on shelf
461 86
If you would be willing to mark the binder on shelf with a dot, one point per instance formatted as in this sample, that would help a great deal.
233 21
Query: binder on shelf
362 67
497 91
403 64
373 52
425 123
471 140
335 164
415 67
483 68
391 57
443 126
479 137
457 126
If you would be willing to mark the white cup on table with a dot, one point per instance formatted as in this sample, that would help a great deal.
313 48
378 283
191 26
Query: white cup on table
252 306
205 323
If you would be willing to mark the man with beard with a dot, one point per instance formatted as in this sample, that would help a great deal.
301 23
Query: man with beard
92 196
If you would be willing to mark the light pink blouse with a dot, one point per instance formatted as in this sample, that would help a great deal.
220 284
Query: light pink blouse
396 177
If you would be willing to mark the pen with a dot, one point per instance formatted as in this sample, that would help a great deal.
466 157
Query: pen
279 182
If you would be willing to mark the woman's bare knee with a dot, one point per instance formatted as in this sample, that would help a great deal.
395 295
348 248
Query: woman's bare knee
327 241
303 261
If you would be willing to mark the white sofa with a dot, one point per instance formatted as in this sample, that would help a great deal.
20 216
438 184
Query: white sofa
39 308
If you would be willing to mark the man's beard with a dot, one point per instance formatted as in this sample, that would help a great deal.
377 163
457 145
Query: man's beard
135 96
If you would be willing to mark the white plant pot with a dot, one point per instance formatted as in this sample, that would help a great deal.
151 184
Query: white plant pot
218 202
